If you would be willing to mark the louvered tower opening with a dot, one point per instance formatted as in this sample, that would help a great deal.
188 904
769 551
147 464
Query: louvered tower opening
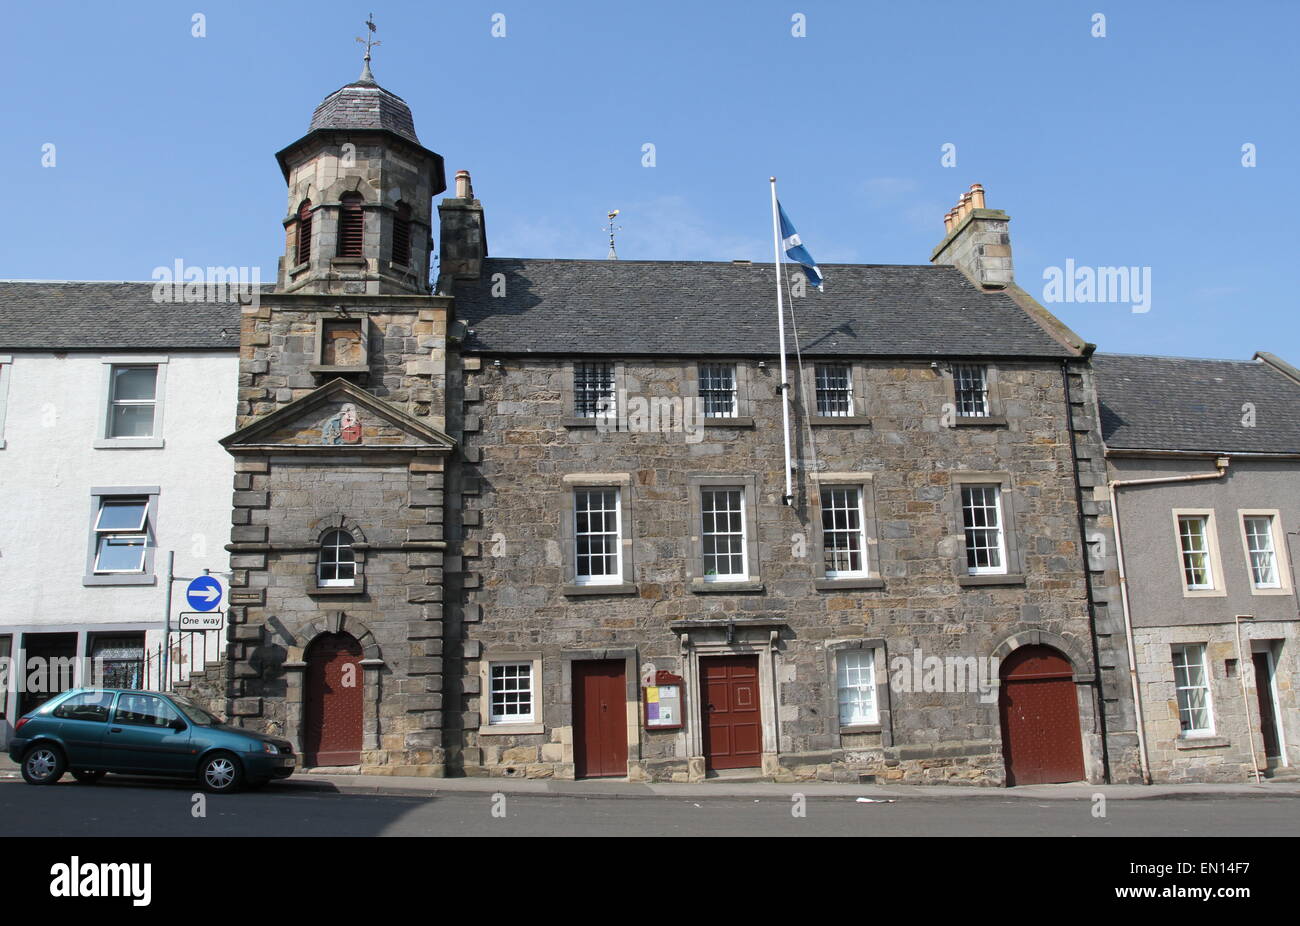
352 226
304 232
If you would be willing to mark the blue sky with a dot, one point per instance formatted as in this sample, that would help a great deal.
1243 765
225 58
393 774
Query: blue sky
1117 151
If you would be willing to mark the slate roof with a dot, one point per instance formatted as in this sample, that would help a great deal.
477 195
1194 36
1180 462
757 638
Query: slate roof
1177 403
50 315
694 307
364 104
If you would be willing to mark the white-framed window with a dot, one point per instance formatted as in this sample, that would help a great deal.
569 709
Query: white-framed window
981 512
1194 545
121 535
833 386
718 390
971 389
594 395
1192 685
133 401
1261 550
856 681
722 533
336 566
510 693
597 532
844 539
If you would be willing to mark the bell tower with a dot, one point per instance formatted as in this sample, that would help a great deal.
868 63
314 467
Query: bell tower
361 189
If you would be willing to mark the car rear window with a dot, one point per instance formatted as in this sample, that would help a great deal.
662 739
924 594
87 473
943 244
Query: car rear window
90 705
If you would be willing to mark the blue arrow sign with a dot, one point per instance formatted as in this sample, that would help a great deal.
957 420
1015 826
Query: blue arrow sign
203 593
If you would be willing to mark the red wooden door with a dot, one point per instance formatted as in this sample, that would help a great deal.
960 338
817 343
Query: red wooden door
599 719
333 701
1041 742
733 727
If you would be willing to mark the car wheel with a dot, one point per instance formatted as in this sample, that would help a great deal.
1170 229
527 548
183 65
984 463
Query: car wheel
43 764
220 773
87 777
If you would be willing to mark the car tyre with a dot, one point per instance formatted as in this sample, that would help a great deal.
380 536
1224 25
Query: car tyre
43 764
221 773
87 777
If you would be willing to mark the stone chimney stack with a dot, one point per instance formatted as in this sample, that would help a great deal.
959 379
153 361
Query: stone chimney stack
977 241
463 235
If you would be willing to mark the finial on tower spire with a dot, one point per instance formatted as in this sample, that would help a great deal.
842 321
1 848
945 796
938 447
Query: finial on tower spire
369 41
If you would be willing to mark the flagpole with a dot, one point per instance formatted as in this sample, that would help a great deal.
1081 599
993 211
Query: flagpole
780 322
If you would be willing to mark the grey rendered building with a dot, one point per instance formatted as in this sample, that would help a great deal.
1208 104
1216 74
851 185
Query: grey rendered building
1204 459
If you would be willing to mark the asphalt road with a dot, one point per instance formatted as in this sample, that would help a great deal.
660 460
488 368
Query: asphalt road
131 808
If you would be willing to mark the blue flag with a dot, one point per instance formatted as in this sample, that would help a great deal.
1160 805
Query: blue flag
795 250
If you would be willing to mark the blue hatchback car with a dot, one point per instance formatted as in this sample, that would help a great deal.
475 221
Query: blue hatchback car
92 731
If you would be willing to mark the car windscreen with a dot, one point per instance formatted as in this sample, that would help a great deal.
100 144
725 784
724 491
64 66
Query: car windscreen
195 713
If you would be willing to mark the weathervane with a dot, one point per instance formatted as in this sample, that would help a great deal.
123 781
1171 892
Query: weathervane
611 228
370 43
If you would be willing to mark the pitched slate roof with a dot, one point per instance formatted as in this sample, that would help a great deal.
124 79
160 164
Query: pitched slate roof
696 307
364 104
51 315
1177 403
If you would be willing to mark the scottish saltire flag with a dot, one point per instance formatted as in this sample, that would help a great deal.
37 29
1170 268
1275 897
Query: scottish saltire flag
795 250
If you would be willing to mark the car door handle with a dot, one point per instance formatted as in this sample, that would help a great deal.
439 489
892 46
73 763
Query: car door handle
115 730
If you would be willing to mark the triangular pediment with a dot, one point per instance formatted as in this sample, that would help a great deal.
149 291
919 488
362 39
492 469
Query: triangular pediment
339 416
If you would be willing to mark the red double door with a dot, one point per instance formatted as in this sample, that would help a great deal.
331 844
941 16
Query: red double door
333 701
733 727
599 719
1039 709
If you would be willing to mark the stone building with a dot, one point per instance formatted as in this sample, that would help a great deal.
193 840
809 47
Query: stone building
530 521
1204 459
340 453
923 609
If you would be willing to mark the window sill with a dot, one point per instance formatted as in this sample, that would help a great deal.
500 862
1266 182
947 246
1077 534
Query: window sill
702 587
1006 579
511 729
314 590
128 443
330 368
739 421
832 585
860 421
860 728
613 588
103 579
359 263
980 421
1201 742
609 423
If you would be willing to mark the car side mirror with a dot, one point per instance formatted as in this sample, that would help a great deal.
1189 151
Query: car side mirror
178 724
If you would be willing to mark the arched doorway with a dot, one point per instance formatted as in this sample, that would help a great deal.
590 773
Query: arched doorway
333 701
1041 741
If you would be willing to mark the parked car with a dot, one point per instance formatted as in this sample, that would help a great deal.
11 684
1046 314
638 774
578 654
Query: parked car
92 731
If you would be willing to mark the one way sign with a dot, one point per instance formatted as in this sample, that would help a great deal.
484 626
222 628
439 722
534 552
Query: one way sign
203 593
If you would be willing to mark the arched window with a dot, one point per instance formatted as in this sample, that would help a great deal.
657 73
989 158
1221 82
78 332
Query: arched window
337 565
352 226
304 232
402 235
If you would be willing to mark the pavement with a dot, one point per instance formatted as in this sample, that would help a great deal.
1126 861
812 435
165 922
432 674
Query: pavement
311 780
